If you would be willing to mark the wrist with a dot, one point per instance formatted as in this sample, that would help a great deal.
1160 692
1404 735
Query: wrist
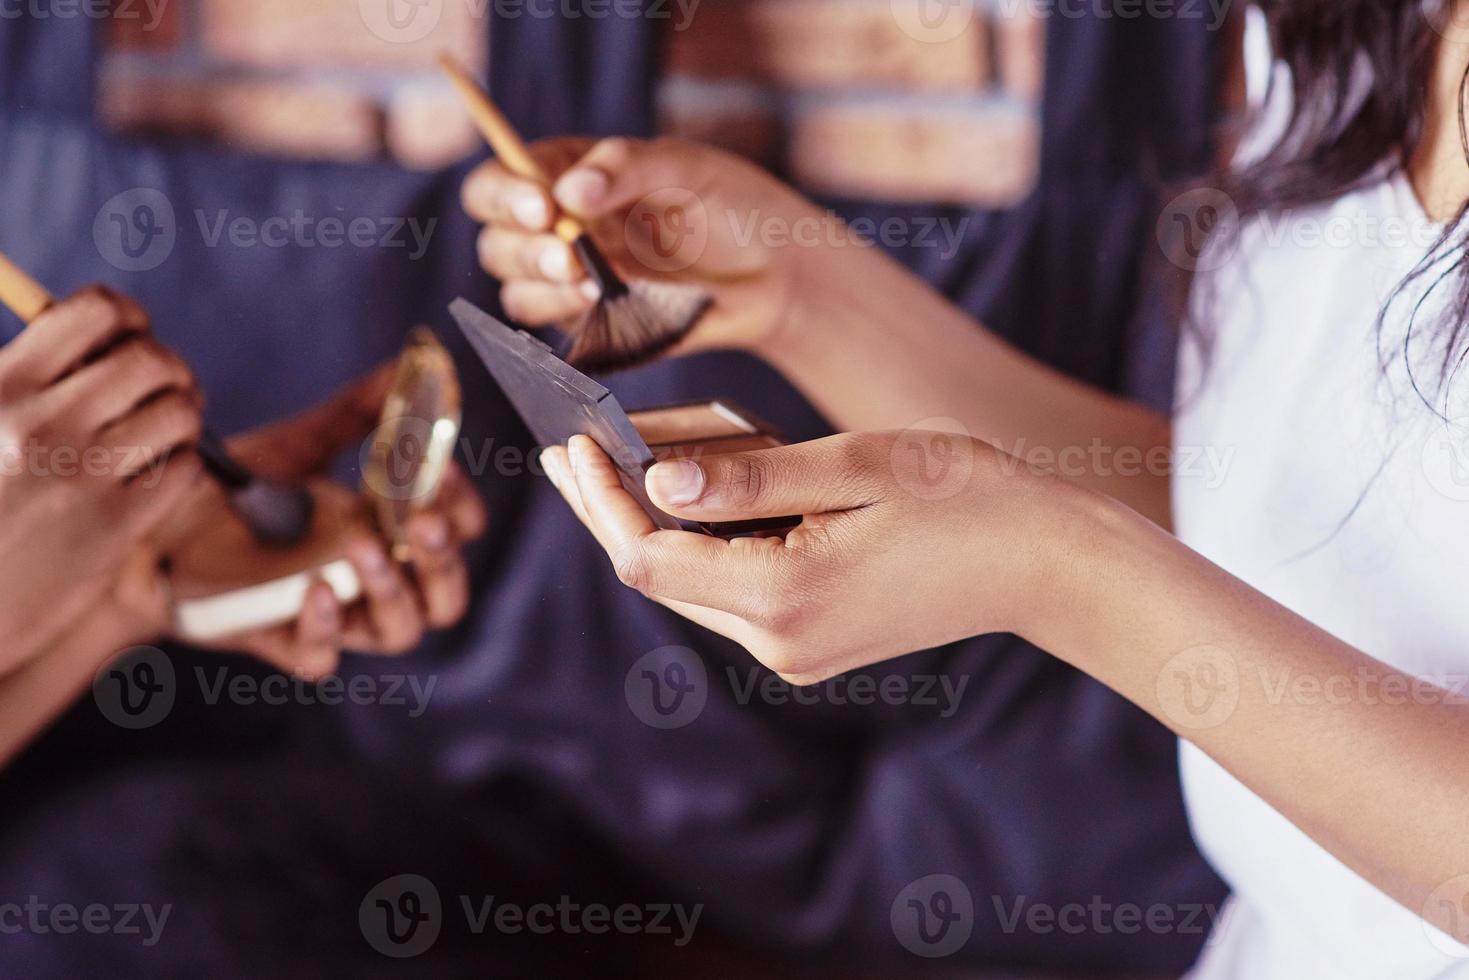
1079 561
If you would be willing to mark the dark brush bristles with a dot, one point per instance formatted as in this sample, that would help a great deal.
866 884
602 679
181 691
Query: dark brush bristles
278 514
638 326
633 322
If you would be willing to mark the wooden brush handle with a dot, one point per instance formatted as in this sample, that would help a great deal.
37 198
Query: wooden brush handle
503 139
25 297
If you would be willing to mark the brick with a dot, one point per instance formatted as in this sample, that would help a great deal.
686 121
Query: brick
1020 43
905 151
824 43
305 120
427 126
730 116
135 26
344 33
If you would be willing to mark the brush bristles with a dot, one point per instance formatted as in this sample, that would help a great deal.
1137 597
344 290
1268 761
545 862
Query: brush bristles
636 327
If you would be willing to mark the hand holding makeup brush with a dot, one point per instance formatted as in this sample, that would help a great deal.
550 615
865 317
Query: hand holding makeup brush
97 421
663 210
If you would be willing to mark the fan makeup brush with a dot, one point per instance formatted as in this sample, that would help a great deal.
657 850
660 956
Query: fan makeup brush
632 322
277 514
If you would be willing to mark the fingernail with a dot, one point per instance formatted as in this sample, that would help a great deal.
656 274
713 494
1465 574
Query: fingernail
573 455
529 209
556 263
678 481
548 465
582 190
372 559
591 290
318 668
434 533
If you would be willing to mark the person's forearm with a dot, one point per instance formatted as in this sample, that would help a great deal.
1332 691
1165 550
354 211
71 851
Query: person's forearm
1372 766
36 695
879 349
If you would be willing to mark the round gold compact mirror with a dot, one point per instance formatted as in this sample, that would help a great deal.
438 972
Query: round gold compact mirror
404 460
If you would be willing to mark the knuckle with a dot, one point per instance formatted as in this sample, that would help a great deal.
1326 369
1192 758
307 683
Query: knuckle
98 305
633 568
16 429
179 419
747 479
489 258
613 151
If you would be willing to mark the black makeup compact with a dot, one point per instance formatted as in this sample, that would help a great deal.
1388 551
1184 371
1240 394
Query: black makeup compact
556 402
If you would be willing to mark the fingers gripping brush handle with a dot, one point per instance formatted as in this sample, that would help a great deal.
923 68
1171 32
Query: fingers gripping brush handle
518 159
277 514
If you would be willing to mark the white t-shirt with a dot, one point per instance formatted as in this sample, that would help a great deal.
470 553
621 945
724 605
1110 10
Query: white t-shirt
1343 497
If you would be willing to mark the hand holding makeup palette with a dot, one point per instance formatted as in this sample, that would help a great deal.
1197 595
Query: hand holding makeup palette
556 402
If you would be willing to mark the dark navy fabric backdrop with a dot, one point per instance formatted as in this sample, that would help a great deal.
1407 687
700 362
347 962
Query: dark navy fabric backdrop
795 825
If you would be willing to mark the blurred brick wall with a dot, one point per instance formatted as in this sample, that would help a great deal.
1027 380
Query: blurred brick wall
907 100
904 100
315 79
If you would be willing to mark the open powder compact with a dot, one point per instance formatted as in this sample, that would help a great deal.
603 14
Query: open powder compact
225 583
556 402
